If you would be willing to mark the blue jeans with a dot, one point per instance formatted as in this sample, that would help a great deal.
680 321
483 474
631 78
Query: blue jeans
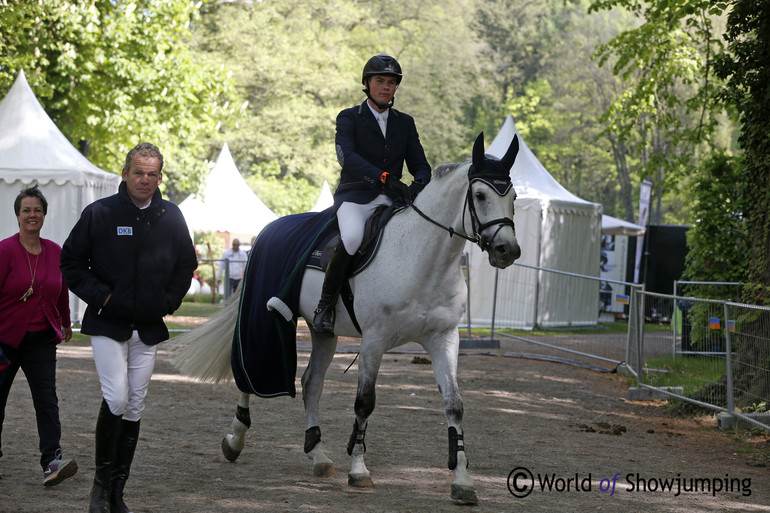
36 356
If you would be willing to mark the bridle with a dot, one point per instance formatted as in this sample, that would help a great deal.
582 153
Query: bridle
501 186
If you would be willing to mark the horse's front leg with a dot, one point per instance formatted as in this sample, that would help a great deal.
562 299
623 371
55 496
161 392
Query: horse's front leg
368 365
233 443
321 356
443 353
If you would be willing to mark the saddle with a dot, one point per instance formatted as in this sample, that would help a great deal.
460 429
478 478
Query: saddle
319 258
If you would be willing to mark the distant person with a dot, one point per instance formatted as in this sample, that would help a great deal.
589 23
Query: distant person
130 258
34 318
373 141
235 259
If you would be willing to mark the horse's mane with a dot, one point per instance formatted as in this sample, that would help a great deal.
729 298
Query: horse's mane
444 169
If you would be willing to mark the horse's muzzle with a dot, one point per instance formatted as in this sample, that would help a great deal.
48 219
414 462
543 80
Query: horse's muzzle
503 254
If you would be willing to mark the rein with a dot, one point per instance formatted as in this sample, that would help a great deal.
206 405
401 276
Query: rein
477 226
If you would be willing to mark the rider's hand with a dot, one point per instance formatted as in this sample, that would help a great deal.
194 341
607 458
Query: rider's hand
399 189
414 189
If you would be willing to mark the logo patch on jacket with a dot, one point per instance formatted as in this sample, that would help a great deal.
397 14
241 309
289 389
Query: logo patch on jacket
125 230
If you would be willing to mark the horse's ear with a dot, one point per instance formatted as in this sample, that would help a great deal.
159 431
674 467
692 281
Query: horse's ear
510 155
478 153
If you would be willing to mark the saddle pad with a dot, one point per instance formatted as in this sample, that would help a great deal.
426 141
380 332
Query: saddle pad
264 350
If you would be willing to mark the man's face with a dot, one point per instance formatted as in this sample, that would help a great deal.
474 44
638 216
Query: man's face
236 245
142 179
382 88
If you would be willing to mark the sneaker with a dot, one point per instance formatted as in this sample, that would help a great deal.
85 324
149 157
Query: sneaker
58 470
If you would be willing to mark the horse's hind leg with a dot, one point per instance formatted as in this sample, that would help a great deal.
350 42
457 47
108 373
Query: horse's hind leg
443 353
321 356
233 443
368 366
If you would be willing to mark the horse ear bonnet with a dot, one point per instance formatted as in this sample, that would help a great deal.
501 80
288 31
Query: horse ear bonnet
495 172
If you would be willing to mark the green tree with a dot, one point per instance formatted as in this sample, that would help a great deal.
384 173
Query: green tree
290 65
666 114
297 63
115 73
746 69
717 240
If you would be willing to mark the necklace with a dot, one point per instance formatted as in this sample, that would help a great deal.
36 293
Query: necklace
32 273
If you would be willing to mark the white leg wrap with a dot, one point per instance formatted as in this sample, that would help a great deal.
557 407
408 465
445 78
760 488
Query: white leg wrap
237 439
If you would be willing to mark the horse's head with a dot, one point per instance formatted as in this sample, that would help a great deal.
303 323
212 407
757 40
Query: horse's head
490 201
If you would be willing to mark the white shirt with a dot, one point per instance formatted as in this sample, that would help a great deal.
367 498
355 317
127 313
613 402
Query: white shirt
236 261
381 117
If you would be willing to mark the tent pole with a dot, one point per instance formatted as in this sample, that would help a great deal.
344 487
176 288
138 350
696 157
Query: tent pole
535 323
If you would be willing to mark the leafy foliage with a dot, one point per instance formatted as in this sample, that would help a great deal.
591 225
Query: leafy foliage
665 114
717 242
116 73
747 71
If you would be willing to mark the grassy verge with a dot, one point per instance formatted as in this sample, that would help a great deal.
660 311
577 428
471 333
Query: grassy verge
691 373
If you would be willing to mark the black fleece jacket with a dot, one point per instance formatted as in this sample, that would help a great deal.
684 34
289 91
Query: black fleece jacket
143 259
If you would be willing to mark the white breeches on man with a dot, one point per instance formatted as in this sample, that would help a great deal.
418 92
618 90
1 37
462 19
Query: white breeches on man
351 218
125 369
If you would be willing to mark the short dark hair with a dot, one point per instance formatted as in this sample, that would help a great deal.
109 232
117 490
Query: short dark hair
146 150
31 192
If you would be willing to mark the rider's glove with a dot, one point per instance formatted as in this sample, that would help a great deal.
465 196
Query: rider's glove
414 189
398 189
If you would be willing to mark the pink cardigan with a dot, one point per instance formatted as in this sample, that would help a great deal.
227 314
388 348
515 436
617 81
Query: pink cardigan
51 293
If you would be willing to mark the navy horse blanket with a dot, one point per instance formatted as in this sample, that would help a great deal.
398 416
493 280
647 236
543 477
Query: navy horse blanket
264 351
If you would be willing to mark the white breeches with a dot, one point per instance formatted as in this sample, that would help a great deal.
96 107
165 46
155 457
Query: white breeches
125 369
351 218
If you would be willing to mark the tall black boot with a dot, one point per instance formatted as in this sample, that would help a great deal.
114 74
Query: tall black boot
107 434
129 434
336 274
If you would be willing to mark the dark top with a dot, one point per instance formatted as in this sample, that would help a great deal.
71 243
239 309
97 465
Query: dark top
365 154
143 258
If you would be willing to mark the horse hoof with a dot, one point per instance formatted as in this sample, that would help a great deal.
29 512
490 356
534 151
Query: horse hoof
464 495
324 470
360 481
229 453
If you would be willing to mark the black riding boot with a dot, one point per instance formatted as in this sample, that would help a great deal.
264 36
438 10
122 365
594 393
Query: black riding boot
336 274
107 434
129 434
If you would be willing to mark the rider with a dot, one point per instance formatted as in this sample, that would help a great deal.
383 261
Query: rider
373 140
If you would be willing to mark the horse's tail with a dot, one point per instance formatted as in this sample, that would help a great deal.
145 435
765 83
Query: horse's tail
204 353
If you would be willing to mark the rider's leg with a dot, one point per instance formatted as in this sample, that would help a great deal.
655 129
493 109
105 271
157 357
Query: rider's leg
336 273
351 218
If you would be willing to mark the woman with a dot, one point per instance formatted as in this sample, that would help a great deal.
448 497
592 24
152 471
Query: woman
34 317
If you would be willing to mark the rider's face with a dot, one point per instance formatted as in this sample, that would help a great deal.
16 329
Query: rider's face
382 88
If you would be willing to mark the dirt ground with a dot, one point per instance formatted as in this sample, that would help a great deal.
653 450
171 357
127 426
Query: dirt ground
554 420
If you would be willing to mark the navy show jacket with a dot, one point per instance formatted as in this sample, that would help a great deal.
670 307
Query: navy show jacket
365 154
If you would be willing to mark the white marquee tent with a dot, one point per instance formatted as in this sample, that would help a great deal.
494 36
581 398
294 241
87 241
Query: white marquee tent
227 203
556 230
33 150
614 226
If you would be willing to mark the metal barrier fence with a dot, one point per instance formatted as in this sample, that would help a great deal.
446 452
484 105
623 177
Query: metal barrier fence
221 274
715 353
558 312
712 353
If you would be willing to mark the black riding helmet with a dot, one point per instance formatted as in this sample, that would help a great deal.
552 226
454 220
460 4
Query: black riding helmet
381 65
